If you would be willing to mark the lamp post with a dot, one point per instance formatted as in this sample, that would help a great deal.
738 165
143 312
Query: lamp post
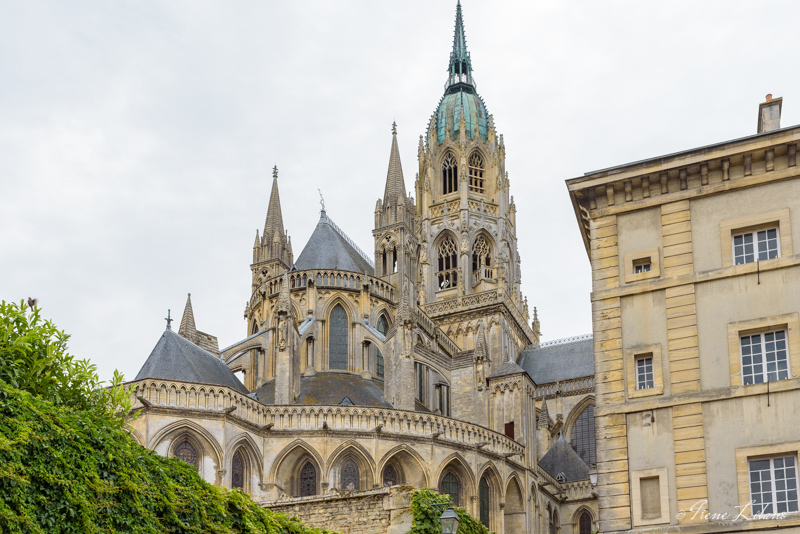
449 521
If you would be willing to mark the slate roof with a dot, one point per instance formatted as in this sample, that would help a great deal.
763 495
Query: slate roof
508 368
177 358
561 359
331 389
329 248
562 459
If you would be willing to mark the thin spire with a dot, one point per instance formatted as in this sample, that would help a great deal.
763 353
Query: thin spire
395 191
460 69
187 328
274 223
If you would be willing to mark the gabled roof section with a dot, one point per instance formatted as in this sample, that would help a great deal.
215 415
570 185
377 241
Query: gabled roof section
395 191
330 248
177 358
561 359
507 369
562 459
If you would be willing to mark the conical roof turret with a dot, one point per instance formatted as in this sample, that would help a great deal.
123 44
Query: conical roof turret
395 191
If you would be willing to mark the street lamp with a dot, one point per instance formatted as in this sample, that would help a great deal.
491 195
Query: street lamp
450 521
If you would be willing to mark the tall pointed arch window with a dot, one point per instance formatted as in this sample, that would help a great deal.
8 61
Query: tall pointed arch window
186 452
481 259
448 263
237 470
451 485
585 523
337 332
583 437
476 169
389 476
383 327
308 480
349 476
484 501
449 174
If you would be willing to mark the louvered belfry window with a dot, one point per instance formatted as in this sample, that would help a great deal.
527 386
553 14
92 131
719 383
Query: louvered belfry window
448 263
349 476
476 173
583 438
186 452
449 174
338 339
237 470
308 480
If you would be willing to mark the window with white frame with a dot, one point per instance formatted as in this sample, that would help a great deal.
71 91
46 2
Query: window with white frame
773 485
764 357
642 266
644 372
757 245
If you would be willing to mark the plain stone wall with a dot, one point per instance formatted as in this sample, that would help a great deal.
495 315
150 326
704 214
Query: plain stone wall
378 511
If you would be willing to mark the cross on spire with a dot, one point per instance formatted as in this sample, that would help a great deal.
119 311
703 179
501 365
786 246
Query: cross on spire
321 200
275 172
169 320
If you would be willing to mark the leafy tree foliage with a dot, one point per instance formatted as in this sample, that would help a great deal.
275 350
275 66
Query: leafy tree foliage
67 464
427 514
34 358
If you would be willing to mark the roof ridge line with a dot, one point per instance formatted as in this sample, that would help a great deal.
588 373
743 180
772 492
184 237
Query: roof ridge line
350 242
565 340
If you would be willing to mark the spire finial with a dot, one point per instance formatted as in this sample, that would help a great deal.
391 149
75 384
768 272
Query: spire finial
169 320
321 201
460 69
275 172
394 128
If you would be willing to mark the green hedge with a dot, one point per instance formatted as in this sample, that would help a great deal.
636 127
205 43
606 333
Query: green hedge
426 515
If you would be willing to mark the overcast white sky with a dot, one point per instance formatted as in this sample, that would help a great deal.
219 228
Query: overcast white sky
137 138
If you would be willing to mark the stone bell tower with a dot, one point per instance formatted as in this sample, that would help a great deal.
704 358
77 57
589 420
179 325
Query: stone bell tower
469 261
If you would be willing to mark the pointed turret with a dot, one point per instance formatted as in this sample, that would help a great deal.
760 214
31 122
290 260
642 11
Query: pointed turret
188 328
274 244
395 191
274 223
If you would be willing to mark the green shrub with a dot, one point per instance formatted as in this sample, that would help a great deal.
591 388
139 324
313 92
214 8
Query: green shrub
426 515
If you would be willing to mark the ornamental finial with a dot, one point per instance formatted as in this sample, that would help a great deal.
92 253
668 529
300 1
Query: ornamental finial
275 172
394 128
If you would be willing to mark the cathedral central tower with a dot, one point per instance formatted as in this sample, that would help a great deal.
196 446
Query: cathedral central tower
469 271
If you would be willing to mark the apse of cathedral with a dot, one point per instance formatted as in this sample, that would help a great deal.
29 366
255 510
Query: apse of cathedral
419 364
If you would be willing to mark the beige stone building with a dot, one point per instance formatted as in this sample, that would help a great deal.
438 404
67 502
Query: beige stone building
695 308
418 364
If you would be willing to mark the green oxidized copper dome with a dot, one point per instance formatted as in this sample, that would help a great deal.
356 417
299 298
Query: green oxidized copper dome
460 94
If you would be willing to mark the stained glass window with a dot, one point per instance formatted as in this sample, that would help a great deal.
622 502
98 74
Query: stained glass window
186 452
308 480
349 476
383 327
338 339
484 502
237 470
449 174
451 486
585 524
583 438
389 476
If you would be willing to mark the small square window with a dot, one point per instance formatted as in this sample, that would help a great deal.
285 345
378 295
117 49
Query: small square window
644 372
773 485
757 245
641 266
764 357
